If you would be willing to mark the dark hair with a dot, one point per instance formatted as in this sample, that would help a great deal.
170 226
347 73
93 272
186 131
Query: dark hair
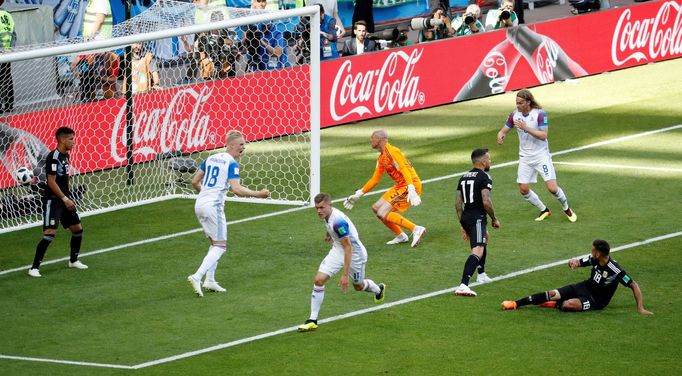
602 246
63 131
361 22
322 197
477 154
321 8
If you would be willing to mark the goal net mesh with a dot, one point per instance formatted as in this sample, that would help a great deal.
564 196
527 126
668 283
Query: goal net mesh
188 92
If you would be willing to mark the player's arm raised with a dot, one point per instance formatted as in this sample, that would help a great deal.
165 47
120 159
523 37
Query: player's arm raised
240 190
488 205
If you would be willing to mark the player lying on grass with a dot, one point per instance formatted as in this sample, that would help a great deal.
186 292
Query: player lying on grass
592 294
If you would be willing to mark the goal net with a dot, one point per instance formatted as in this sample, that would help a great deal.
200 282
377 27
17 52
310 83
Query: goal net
144 127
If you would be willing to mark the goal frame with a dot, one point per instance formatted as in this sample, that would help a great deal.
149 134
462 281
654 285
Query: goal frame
54 50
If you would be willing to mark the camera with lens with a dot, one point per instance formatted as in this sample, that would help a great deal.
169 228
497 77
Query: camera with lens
220 53
301 41
469 18
422 23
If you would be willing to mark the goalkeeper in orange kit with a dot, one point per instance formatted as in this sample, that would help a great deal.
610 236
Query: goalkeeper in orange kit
405 193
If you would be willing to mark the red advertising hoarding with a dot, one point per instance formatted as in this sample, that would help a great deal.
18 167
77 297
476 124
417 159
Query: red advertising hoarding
352 89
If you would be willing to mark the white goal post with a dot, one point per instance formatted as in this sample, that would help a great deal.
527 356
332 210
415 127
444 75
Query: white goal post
142 129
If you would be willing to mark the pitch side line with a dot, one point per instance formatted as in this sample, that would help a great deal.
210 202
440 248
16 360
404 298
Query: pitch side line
329 319
621 167
59 361
183 233
388 305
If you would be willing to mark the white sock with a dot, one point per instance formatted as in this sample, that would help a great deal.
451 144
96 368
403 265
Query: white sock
370 286
211 259
562 198
210 274
533 198
316 300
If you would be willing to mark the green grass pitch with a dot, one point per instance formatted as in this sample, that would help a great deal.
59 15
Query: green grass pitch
134 306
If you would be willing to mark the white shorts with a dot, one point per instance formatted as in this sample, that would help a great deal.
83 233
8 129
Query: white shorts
212 220
334 262
530 168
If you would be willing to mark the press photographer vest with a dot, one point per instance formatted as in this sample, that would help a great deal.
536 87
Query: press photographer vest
6 29
141 77
90 17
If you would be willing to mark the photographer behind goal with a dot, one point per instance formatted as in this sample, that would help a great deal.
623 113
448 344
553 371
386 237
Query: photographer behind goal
502 18
468 23
434 28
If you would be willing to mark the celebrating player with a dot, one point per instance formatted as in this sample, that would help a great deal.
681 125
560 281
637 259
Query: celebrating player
472 205
405 193
531 124
58 206
347 253
591 294
217 174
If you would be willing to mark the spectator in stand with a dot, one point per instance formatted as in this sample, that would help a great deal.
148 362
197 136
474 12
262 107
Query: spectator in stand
331 8
110 75
89 70
328 49
8 38
518 9
441 31
360 44
97 21
469 23
364 10
502 18
144 72
265 44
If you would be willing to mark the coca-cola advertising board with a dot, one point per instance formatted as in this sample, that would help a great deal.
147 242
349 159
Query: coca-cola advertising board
439 72
186 119
356 88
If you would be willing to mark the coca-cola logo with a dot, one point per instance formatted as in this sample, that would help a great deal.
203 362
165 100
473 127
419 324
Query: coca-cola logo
496 68
546 60
374 91
181 125
648 38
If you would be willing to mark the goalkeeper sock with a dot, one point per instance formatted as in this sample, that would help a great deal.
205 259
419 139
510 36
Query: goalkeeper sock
372 287
533 198
399 220
392 226
535 299
562 198
316 300
212 257
469 268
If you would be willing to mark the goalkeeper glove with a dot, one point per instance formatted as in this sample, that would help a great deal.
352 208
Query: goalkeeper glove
412 196
352 199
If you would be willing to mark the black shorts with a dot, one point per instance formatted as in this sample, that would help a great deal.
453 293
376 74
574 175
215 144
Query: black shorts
54 212
579 291
475 228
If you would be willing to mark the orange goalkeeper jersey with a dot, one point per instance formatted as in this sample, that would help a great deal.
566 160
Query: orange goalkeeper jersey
395 164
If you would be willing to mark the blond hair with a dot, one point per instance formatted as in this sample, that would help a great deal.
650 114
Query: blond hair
527 95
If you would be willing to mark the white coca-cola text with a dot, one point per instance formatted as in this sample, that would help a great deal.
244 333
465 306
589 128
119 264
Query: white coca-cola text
181 125
649 38
393 86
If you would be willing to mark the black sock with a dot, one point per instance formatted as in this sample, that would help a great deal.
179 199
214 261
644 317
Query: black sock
481 264
40 251
76 239
469 268
536 299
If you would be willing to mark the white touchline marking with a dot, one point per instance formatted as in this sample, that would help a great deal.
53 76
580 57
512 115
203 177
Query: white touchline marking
389 305
617 166
329 319
183 233
59 361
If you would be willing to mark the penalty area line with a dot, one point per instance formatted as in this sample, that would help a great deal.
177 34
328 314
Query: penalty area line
619 167
427 181
326 320
389 305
